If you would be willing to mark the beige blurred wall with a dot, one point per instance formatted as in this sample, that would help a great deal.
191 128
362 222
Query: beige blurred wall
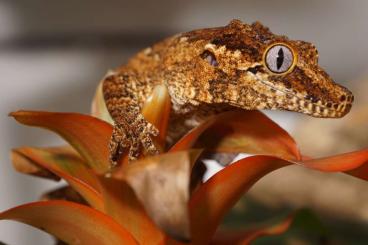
52 54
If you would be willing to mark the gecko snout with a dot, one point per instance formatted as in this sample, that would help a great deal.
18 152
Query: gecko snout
336 108
345 103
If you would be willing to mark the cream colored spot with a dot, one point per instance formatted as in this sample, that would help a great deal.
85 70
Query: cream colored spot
147 51
210 46
222 49
280 101
183 39
237 54
279 93
156 57
191 93
325 112
294 100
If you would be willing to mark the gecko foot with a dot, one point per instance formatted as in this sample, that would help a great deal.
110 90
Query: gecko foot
136 140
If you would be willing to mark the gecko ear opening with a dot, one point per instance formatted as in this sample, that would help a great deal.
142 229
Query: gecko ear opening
209 57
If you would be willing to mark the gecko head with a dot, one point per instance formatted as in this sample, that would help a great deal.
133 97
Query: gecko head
250 67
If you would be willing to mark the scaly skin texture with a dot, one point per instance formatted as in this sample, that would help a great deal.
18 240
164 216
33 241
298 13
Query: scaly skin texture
213 70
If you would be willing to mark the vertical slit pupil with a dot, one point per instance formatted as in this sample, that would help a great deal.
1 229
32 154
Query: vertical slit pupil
280 58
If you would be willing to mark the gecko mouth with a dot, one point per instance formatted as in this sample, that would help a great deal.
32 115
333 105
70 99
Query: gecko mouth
319 108
311 106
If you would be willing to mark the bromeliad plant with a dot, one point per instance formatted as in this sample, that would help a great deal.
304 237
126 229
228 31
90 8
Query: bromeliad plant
153 200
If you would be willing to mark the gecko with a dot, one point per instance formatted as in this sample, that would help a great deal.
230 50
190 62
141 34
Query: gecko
212 70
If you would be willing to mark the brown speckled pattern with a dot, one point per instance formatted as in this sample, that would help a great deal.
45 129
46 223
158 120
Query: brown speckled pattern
205 68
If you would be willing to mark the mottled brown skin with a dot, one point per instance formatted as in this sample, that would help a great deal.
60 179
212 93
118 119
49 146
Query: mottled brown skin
234 76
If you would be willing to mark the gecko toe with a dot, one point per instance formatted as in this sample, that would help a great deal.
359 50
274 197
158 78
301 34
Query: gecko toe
151 129
133 143
148 145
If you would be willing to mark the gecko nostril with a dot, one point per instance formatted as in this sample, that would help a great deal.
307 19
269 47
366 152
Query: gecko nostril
312 98
315 99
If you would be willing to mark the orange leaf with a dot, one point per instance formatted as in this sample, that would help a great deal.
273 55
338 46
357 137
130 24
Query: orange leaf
338 163
70 222
88 135
70 168
156 110
188 140
210 202
360 172
215 197
246 237
241 131
352 163
26 166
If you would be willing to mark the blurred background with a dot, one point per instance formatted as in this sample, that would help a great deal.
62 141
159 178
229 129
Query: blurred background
53 53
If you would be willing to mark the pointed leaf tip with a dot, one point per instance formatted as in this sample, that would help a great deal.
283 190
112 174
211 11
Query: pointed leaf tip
247 236
69 167
211 201
70 222
25 165
338 163
87 134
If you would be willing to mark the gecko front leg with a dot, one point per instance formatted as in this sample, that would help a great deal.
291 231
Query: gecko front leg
131 131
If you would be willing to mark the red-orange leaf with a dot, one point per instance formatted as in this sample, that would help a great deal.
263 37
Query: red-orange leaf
246 237
88 135
360 172
25 165
70 222
211 201
215 197
188 140
352 163
241 131
70 168
338 163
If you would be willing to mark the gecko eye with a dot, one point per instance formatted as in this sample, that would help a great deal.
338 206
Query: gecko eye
209 57
279 58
